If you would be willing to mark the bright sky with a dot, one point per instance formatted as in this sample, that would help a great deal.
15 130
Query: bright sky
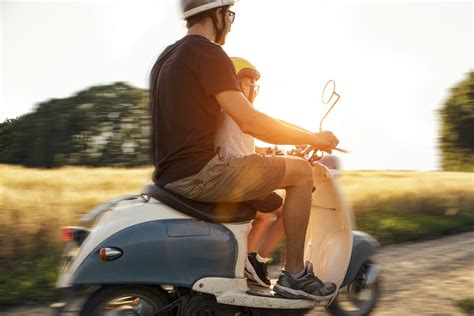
393 62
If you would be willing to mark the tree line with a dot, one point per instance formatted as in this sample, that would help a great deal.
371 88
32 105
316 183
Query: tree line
101 126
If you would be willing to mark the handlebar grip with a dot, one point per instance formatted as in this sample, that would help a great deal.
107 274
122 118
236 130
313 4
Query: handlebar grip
341 150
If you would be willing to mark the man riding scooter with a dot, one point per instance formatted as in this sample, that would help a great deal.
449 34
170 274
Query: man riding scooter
192 81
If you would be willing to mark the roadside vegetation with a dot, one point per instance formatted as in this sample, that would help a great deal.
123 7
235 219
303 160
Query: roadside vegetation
34 203
467 305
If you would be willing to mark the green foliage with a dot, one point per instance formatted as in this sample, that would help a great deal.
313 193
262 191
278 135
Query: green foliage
390 225
102 126
457 127
6 134
467 305
29 281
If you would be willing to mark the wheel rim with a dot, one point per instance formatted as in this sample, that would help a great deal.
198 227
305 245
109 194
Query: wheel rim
129 304
359 297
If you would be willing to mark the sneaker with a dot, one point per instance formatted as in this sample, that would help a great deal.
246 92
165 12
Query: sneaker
307 287
256 270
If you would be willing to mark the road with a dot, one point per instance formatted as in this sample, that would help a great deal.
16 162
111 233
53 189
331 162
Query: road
425 278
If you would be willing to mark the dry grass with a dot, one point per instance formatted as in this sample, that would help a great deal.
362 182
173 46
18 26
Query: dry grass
359 185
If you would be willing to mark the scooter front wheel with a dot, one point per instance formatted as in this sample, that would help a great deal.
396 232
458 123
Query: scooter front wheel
124 300
358 298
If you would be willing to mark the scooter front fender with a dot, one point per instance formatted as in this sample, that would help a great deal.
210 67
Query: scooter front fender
363 247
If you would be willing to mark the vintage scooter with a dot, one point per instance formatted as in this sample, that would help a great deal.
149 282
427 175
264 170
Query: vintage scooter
157 253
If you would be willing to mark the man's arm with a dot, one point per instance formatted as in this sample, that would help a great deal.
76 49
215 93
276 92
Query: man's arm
263 150
268 129
293 125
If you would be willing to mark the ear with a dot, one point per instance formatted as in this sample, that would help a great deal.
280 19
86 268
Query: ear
217 13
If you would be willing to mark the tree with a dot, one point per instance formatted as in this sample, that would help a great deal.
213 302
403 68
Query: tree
6 134
101 126
457 127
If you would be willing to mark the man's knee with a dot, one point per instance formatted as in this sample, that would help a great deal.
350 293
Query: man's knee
298 173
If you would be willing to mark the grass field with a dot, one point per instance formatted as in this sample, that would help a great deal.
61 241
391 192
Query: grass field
34 204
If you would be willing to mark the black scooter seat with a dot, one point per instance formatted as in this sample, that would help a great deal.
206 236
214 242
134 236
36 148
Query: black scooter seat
209 212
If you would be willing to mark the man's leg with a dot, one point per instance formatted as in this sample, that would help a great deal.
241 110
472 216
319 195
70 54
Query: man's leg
296 281
274 235
258 232
255 265
298 182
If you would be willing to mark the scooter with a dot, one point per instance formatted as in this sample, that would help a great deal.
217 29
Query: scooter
157 253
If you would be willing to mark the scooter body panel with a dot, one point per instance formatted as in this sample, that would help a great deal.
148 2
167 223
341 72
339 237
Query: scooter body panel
176 228
329 237
111 222
173 252
364 246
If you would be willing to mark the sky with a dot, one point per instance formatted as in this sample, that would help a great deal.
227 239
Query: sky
393 62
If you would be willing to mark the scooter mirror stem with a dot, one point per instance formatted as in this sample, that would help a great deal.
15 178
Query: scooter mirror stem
322 120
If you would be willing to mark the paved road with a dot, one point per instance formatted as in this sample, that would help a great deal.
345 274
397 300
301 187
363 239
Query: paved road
424 278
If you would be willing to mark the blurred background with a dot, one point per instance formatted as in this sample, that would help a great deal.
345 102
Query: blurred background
74 116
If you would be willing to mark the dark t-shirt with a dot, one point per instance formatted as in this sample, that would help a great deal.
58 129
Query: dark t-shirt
184 111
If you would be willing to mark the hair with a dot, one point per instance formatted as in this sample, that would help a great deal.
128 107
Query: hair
195 19
200 17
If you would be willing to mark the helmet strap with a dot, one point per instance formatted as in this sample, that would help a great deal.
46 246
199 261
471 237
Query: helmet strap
219 32
251 94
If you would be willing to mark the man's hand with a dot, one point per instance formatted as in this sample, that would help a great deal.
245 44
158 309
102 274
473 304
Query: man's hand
325 141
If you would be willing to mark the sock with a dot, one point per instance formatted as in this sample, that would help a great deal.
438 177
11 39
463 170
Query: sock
260 258
263 260
299 274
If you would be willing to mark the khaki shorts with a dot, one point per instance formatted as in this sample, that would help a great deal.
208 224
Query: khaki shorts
232 179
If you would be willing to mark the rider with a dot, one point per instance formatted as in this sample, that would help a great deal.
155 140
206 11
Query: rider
230 141
192 81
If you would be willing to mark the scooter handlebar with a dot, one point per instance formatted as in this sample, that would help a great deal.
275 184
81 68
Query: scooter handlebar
341 150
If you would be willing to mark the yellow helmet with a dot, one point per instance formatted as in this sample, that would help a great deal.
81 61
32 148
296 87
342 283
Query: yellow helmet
243 68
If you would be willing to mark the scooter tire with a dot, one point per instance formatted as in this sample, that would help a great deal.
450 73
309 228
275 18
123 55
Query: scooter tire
335 309
94 304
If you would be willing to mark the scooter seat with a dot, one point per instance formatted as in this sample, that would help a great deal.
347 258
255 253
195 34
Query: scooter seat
209 212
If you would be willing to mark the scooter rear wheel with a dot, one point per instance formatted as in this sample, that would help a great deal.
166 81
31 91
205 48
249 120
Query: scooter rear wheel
124 300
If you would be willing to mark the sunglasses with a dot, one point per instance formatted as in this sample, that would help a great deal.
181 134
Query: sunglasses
231 16
256 87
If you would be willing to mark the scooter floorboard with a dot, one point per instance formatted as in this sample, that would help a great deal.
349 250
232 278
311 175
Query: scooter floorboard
266 299
257 290
236 292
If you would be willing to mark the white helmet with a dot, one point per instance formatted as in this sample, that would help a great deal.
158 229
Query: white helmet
193 7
